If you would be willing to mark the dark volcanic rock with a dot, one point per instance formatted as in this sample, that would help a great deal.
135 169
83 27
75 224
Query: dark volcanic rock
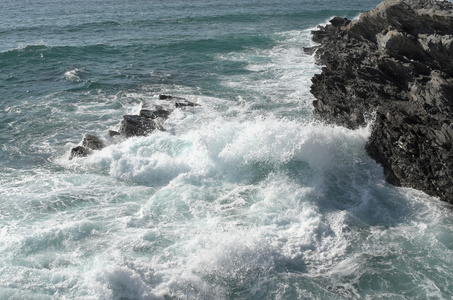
113 133
337 21
147 121
167 97
158 112
79 151
394 64
184 103
89 142
179 102
92 142
137 126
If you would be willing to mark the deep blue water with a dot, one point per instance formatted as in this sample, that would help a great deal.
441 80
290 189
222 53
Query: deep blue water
243 197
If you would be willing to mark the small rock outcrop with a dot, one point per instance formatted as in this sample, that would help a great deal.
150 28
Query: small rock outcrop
158 112
147 121
394 65
132 125
79 151
89 142
92 142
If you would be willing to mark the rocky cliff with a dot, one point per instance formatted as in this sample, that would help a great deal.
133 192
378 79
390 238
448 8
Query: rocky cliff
394 65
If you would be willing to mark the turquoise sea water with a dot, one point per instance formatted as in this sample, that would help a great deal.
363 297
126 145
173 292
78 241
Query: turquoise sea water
243 197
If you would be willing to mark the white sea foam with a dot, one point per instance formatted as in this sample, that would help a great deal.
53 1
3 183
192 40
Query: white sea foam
73 75
21 46
283 73
226 202
222 145
232 201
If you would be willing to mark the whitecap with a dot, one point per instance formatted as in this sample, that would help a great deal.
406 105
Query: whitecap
73 75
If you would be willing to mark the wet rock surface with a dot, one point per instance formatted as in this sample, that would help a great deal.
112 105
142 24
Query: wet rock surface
394 65
79 151
89 143
132 125
92 142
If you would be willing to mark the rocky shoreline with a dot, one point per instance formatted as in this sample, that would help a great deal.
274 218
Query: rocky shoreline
394 65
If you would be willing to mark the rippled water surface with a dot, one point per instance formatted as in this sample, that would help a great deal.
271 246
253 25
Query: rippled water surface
245 196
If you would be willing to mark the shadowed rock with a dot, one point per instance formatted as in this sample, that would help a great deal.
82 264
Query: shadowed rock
184 103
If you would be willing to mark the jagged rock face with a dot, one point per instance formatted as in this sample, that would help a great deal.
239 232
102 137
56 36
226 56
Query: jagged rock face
394 64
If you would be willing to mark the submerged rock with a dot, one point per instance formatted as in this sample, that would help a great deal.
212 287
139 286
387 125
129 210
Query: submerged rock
394 64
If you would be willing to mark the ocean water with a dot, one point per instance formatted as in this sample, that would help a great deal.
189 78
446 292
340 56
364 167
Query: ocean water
243 197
